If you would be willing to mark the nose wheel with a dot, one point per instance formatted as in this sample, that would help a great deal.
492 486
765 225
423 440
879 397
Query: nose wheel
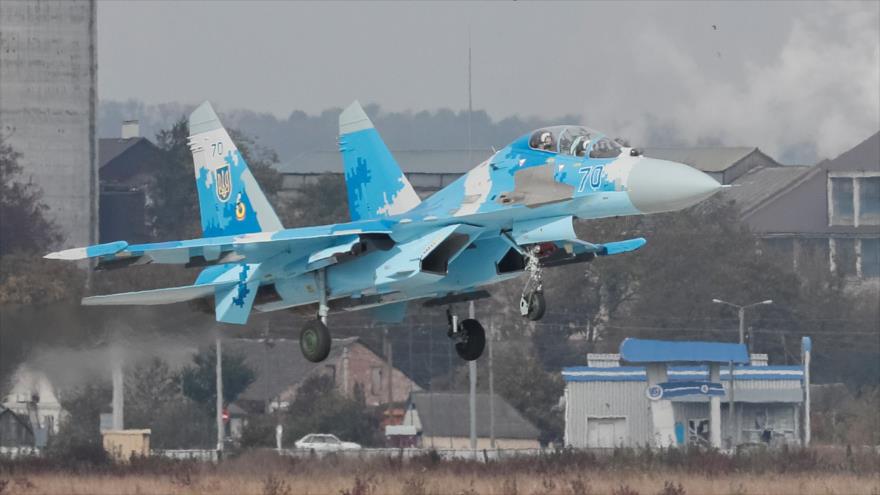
468 335
532 304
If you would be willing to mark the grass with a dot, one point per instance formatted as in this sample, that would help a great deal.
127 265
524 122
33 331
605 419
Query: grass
624 473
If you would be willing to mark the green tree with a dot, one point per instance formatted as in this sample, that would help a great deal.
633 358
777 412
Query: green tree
320 408
521 379
24 226
320 203
79 434
199 379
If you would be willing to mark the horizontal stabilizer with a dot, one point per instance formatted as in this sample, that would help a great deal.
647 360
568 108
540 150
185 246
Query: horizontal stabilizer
151 297
82 253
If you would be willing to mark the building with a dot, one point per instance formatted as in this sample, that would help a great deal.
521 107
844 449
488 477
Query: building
15 430
280 369
823 217
441 420
609 405
33 396
48 95
127 167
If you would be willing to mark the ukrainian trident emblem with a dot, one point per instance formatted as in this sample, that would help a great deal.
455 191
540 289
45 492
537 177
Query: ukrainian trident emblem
223 180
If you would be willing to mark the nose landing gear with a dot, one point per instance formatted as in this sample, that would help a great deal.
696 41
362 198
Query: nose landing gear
532 304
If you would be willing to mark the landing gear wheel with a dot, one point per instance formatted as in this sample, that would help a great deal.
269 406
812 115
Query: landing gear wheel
533 305
314 341
471 340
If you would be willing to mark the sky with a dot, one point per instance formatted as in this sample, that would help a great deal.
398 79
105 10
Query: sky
792 78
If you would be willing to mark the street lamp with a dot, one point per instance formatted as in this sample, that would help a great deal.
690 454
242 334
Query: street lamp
742 314
742 328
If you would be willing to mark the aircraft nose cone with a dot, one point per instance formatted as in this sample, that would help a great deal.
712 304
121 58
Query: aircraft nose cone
657 185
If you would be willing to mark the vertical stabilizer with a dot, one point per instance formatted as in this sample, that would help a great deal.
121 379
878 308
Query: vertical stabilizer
376 185
230 200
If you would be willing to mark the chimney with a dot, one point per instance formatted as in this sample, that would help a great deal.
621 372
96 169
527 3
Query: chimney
131 129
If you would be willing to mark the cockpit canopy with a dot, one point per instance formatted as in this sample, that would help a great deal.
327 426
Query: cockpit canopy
575 141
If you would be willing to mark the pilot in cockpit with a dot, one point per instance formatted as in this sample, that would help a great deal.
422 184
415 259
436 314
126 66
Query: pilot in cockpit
546 142
580 146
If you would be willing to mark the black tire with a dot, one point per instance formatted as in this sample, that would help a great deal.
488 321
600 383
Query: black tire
537 306
314 341
471 346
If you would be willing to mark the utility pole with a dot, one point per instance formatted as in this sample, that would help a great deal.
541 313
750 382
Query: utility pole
491 388
219 373
472 374
389 360
470 102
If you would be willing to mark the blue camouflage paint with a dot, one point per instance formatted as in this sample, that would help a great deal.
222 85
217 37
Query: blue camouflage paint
372 176
241 295
219 217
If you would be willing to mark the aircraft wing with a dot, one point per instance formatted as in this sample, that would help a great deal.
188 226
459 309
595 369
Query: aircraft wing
207 251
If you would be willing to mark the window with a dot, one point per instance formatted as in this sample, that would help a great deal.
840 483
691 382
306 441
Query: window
698 432
869 200
845 257
842 201
871 258
813 253
782 247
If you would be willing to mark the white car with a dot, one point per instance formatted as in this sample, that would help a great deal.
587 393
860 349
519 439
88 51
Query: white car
324 443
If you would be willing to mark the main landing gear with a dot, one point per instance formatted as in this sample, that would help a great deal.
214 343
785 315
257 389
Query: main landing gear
468 335
314 338
532 304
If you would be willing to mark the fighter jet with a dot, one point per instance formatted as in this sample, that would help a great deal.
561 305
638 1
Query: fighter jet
511 215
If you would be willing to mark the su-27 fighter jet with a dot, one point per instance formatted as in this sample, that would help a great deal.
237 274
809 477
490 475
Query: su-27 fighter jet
510 215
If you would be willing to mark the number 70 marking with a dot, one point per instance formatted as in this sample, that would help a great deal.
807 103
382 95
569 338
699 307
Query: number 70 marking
593 174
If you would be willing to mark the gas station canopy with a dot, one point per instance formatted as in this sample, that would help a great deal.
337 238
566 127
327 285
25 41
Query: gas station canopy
658 351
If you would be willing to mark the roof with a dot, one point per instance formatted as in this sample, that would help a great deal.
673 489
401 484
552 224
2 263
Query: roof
863 156
444 414
680 373
110 148
455 161
714 159
278 364
656 351
121 159
760 184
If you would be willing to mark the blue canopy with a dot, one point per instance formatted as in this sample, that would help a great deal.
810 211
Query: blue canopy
664 351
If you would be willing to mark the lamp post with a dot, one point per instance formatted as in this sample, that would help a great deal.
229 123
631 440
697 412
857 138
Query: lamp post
742 314
741 310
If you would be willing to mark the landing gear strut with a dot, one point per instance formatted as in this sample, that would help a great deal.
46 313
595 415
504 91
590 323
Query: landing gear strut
468 335
532 304
314 338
